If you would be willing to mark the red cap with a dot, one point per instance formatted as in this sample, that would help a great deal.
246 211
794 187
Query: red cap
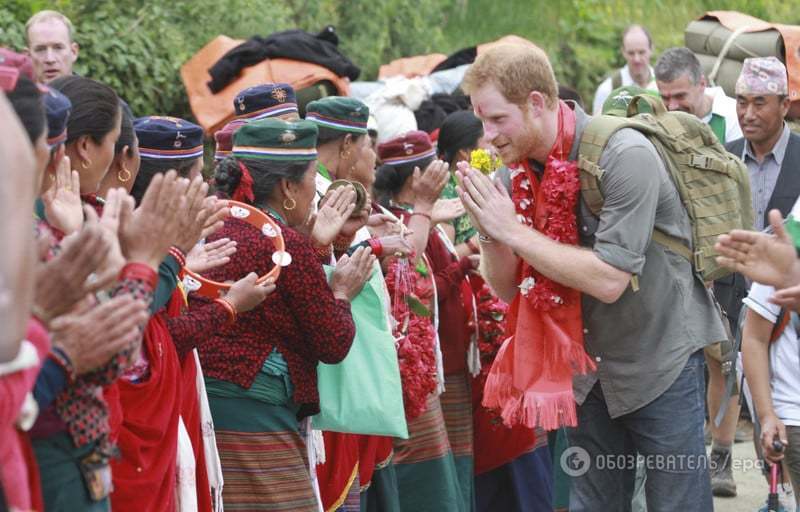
17 60
409 147
224 139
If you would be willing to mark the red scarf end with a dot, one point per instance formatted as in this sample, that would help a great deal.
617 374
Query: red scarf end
579 362
531 409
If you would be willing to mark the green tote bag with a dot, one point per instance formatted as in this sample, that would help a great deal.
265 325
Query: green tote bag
362 394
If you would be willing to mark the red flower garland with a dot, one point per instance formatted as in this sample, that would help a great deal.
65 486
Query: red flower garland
545 318
491 313
415 335
559 191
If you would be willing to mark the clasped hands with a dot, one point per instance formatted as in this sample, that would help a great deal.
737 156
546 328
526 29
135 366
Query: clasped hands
488 204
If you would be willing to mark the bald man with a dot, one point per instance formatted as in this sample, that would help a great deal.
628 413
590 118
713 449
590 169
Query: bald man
50 45
637 48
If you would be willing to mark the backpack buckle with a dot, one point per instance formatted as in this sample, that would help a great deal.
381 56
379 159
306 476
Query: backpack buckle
727 367
700 161
699 263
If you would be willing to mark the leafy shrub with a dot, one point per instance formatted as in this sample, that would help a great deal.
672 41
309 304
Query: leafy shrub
138 47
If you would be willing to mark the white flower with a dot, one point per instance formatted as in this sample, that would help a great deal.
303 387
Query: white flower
525 184
522 219
526 285
525 203
557 299
516 172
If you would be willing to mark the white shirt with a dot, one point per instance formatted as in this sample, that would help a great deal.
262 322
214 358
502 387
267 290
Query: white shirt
724 106
322 184
604 89
784 357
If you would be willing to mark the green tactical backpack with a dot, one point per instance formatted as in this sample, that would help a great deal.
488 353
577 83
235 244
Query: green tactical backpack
714 185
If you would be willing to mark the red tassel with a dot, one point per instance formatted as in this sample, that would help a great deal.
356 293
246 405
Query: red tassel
244 190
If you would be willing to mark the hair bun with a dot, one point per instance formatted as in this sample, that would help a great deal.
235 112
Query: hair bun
386 178
227 176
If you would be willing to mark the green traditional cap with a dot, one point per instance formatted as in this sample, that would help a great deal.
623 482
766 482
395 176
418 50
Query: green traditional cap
276 139
339 113
617 102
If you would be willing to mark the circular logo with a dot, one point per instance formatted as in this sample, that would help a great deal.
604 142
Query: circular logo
575 461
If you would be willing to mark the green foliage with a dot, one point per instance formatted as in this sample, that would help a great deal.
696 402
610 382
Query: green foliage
138 46
582 37
126 56
12 34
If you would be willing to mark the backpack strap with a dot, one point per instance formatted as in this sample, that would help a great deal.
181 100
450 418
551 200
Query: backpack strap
673 244
590 177
593 140
616 79
780 325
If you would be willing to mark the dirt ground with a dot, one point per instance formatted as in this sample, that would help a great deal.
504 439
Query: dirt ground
751 485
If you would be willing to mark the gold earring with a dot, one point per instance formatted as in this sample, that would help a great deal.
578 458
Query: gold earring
293 203
124 175
86 164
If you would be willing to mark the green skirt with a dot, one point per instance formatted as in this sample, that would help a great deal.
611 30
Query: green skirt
457 410
263 456
63 486
427 477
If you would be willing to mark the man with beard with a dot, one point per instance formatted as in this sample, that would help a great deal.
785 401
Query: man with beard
645 396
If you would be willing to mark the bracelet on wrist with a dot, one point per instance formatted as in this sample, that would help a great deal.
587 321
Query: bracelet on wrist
341 244
141 272
229 308
178 255
376 246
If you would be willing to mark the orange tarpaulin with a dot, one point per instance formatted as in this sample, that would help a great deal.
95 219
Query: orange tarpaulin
212 111
733 21
411 67
422 65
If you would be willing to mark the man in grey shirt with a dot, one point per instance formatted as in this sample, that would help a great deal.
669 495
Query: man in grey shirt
646 396
682 85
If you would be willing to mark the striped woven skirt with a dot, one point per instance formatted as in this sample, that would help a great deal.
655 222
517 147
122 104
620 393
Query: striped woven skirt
427 479
264 461
457 409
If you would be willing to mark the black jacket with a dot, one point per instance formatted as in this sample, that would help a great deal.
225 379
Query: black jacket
732 289
319 49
